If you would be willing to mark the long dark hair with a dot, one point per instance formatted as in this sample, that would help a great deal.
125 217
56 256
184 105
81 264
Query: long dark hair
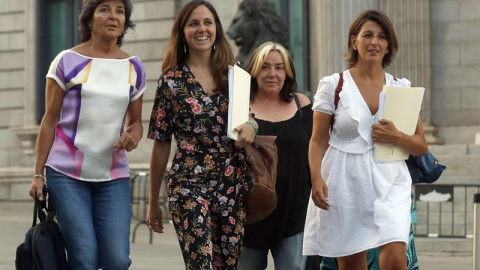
221 57
86 16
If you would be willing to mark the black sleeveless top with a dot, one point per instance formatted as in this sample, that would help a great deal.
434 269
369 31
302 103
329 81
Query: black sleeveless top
293 181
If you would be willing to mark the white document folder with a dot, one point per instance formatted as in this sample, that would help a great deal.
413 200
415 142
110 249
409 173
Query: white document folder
402 106
238 99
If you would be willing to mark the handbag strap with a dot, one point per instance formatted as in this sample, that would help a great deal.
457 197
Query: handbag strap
298 104
295 97
337 96
338 90
337 93
39 206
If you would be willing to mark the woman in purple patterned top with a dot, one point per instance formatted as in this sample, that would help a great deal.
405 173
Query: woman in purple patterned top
93 115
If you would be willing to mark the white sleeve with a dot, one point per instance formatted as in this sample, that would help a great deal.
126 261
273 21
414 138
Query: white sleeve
56 70
324 100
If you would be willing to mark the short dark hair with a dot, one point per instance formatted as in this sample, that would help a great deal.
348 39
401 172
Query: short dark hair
387 27
256 62
86 16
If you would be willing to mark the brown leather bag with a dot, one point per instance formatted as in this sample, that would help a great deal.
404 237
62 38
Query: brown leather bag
263 158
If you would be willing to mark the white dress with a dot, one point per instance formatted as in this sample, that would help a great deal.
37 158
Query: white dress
369 201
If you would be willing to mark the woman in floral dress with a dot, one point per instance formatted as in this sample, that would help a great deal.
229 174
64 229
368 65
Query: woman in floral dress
209 175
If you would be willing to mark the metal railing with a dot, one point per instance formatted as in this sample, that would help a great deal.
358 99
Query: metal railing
447 214
139 197
444 210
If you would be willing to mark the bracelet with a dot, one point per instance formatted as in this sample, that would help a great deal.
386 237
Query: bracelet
39 176
403 138
255 128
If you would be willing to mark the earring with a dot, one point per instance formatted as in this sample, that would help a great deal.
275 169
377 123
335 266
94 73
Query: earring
386 52
184 48
214 46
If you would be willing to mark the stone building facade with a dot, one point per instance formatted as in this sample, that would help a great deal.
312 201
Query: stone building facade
439 41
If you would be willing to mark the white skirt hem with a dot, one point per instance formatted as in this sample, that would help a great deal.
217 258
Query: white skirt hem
354 252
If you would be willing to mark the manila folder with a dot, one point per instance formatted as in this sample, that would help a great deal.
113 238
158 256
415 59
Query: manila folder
238 99
402 106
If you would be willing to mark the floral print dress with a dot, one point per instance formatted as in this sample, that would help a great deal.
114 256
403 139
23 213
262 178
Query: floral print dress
208 177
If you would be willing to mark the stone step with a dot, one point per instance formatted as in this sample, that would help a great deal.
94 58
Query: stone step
455 150
457 170
456 246
465 160
458 179
460 173
474 150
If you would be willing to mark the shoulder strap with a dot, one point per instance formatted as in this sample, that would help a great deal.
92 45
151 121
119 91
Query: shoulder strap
298 104
337 96
338 90
300 110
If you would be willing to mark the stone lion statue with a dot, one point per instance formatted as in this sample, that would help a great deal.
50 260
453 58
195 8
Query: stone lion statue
255 23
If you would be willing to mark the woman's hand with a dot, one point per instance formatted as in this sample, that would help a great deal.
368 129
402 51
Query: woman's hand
36 188
126 141
320 193
155 218
386 132
246 135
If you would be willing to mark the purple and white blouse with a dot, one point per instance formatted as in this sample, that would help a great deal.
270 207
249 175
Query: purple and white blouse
98 92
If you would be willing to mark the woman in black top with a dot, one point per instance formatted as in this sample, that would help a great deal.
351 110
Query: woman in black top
274 103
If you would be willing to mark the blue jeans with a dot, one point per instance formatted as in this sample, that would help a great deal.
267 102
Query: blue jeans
95 220
287 255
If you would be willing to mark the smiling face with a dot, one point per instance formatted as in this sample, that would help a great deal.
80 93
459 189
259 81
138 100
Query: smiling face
200 30
272 74
370 43
108 20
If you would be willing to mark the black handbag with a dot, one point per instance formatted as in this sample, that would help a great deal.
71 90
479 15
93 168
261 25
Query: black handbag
43 248
424 169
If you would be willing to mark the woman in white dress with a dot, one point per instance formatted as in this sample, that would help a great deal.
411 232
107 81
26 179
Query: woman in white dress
358 203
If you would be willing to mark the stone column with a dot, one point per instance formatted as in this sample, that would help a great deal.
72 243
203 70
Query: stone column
411 19
329 23
28 132
29 62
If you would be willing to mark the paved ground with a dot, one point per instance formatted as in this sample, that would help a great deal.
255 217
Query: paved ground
164 253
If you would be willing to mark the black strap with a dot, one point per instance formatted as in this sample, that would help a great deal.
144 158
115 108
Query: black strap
298 104
35 212
39 206
300 110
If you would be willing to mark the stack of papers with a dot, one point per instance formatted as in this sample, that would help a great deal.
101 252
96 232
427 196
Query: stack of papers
402 106
238 99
